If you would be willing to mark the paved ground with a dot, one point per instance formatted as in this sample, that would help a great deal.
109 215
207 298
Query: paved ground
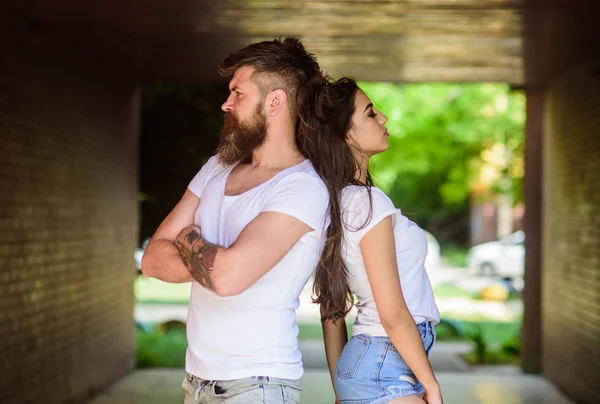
162 386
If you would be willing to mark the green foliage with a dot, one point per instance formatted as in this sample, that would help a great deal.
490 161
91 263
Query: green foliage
485 353
450 290
493 343
438 134
158 349
449 330
512 347
454 255
480 348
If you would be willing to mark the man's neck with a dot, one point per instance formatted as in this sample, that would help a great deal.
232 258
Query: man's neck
279 151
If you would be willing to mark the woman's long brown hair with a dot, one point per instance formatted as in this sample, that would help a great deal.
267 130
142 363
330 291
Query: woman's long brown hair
325 121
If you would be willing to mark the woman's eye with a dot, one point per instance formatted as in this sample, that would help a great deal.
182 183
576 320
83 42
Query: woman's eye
372 114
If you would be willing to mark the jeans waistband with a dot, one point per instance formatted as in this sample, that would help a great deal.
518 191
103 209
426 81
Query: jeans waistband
249 381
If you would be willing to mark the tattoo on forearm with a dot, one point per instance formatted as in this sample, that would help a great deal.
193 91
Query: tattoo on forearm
193 236
200 258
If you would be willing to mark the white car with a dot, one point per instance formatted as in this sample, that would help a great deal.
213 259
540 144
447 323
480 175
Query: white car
139 253
432 260
504 258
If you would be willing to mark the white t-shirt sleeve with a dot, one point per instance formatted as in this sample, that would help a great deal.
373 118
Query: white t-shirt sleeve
198 183
303 196
356 209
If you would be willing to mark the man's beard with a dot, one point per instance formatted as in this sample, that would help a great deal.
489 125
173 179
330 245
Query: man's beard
239 139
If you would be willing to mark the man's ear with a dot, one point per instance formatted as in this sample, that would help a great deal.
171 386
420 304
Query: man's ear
276 102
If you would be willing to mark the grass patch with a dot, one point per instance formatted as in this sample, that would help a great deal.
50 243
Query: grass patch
310 331
313 331
157 349
167 349
454 255
493 342
444 290
150 290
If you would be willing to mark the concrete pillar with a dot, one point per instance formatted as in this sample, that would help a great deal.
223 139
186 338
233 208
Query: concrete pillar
531 336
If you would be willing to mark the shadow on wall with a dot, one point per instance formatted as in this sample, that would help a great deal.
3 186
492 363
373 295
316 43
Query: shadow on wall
180 131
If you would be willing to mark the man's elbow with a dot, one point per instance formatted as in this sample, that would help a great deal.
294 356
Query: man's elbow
227 290
224 287
147 266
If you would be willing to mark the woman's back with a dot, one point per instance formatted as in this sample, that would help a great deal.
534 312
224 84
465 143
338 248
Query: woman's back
411 250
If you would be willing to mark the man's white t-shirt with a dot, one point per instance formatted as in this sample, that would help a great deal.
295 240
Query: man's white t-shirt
411 250
254 333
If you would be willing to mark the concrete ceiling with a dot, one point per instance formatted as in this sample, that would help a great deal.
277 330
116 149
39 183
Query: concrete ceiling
184 40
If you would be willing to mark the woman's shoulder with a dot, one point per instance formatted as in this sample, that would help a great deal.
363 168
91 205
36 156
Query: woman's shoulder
359 196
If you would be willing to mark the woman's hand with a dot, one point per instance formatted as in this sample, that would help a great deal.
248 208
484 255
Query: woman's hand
433 398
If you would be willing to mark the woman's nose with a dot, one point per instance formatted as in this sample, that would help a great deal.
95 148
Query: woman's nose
383 119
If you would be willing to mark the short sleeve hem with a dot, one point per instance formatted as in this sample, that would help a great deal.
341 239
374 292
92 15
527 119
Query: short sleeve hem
311 222
375 220
303 196
357 205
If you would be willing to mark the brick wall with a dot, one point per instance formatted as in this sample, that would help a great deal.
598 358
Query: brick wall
68 227
571 233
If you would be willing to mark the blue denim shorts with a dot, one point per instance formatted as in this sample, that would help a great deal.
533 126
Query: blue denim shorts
370 369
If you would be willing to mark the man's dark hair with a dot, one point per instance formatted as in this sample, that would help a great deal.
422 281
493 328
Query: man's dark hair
279 64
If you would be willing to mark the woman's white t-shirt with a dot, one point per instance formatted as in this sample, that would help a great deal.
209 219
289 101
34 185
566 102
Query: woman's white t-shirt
411 250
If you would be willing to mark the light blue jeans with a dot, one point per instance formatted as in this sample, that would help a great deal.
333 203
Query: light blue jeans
250 390
371 371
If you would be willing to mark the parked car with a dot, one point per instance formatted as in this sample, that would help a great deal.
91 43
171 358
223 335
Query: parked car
138 253
432 260
504 258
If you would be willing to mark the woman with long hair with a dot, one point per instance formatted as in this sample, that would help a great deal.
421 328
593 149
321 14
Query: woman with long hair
372 252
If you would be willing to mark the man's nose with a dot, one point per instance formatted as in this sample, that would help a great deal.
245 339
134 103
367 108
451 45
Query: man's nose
227 105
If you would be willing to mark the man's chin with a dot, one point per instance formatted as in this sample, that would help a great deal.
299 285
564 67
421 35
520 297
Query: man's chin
229 157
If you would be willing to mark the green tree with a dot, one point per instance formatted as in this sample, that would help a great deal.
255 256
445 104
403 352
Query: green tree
440 137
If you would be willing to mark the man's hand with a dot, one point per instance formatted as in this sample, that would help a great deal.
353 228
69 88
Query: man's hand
197 254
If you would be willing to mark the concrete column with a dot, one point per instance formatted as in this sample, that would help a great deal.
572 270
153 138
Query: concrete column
531 336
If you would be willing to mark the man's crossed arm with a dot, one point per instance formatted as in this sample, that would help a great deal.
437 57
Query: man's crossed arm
197 254
178 253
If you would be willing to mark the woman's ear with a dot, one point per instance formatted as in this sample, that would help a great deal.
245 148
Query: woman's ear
276 102
351 139
353 143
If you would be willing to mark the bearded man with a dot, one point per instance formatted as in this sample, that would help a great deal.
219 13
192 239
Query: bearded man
248 233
